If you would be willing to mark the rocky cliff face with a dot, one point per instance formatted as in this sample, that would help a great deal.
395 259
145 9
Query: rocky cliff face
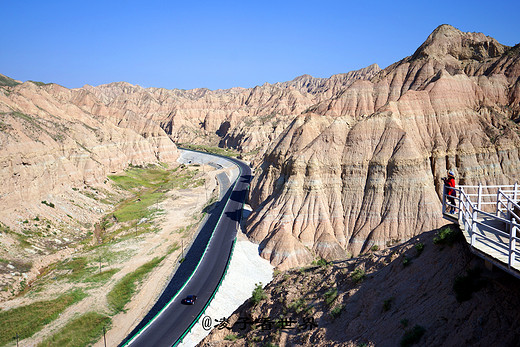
48 144
363 168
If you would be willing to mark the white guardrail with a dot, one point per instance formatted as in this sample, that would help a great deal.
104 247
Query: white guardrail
491 213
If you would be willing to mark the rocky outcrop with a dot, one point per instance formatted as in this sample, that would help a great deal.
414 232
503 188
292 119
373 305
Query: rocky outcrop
364 167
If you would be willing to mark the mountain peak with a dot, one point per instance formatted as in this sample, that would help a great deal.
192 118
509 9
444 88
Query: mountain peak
449 42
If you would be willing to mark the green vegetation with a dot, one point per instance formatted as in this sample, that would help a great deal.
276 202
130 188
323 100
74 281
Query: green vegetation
27 320
358 275
39 84
258 294
374 248
123 291
101 277
149 185
465 286
412 336
7 82
208 149
419 247
321 262
230 337
75 269
331 295
298 305
50 204
336 311
447 235
82 331
406 261
387 304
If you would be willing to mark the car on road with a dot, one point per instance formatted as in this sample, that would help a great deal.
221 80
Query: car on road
189 300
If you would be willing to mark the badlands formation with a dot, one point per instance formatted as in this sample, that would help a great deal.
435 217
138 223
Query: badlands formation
343 163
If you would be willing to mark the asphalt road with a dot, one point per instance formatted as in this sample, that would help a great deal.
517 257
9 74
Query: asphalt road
170 324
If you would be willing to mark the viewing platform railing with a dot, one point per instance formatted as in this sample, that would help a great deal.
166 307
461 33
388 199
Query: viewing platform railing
489 217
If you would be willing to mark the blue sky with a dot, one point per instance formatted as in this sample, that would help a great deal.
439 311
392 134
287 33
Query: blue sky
224 44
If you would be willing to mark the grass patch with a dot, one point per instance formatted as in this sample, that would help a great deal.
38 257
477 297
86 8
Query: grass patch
149 186
75 269
27 320
101 277
412 336
123 291
258 294
82 331
447 235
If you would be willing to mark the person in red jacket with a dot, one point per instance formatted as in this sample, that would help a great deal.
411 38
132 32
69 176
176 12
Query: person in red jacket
450 192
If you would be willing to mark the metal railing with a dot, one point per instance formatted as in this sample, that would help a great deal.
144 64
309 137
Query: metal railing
489 212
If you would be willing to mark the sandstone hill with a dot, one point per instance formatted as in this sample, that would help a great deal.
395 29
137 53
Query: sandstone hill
364 167
418 293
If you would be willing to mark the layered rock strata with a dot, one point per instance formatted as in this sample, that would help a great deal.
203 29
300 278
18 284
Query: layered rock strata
363 169
48 145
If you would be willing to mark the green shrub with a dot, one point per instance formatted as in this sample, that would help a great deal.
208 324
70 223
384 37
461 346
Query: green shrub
406 261
298 305
387 304
447 235
358 275
419 248
336 311
331 295
465 286
258 294
321 262
412 336
374 248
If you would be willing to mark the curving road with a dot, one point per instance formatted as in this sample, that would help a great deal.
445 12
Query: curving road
168 320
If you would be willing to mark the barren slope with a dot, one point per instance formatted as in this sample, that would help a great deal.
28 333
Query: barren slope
439 296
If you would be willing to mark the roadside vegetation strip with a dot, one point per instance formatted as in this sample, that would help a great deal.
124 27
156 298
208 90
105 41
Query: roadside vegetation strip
29 319
82 331
123 291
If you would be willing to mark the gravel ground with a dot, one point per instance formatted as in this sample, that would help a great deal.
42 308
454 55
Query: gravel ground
245 270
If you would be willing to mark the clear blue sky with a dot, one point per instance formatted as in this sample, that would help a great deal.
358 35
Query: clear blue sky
224 44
